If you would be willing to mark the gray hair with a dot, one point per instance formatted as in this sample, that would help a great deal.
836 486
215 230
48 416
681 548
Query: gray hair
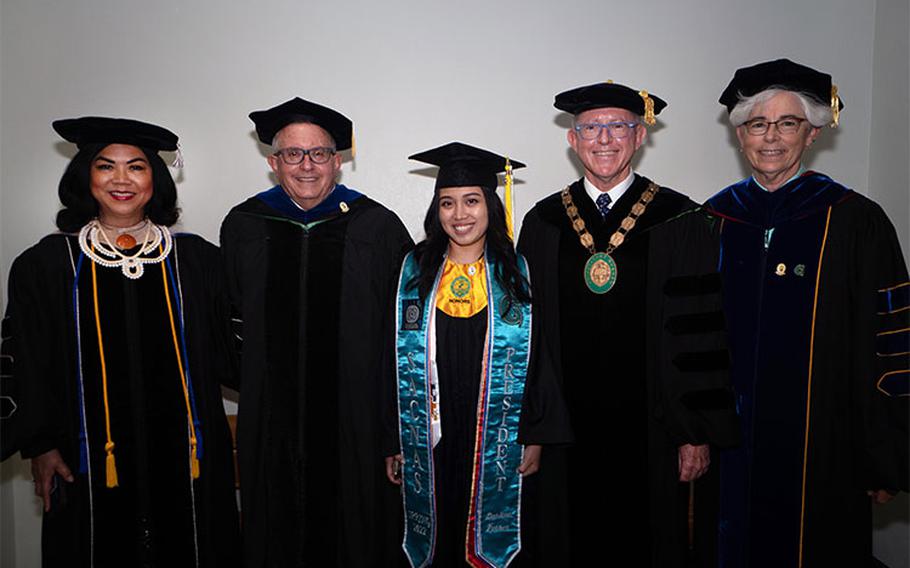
274 144
818 114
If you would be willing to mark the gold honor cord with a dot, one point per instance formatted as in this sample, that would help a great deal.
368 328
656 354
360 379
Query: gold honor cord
600 271
110 463
194 460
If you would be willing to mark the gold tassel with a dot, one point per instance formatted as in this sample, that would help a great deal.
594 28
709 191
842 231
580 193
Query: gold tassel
353 144
835 107
110 465
649 107
507 197
194 461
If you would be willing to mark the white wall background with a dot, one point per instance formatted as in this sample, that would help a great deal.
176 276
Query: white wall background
417 74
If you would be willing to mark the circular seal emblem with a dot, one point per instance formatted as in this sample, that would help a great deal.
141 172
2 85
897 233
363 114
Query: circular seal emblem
460 287
509 312
600 273
412 314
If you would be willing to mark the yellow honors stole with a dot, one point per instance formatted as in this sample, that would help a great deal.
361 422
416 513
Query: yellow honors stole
462 290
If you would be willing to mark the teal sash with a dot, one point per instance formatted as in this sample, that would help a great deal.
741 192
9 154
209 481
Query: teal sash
493 531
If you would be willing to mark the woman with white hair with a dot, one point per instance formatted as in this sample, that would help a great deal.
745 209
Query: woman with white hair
817 301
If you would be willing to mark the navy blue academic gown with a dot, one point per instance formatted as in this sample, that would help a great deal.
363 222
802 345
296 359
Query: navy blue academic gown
816 296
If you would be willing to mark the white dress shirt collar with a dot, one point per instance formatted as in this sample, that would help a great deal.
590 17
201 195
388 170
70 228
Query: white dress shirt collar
614 192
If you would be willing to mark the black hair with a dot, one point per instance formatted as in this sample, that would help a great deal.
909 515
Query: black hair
430 252
79 207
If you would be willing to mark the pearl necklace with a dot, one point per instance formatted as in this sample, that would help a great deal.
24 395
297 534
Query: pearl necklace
104 253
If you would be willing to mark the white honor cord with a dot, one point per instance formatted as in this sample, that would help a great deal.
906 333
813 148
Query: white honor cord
435 409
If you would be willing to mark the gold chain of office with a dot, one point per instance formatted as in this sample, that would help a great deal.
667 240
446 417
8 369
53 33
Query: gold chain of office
600 271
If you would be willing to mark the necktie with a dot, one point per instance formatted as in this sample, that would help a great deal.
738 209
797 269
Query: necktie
603 204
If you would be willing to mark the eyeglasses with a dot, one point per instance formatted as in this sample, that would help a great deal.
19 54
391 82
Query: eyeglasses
618 129
294 156
786 125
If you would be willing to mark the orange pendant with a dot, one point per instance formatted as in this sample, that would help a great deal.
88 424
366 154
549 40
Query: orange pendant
126 241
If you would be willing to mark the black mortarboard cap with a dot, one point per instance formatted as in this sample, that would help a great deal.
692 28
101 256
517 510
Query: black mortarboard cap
781 73
463 165
104 130
269 122
610 95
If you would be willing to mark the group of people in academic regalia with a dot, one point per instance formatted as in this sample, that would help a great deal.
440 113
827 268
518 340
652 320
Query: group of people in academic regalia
645 381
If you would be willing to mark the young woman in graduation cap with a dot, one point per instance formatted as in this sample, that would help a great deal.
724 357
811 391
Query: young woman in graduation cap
473 404
123 421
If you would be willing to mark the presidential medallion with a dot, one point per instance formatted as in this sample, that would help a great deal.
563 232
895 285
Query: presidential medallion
600 273
600 270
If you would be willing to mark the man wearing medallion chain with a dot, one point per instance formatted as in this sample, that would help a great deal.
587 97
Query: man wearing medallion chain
312 270
625 275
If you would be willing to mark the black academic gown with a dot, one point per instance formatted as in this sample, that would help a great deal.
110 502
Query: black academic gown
459 344
314 297
816 296
157 516
643 368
